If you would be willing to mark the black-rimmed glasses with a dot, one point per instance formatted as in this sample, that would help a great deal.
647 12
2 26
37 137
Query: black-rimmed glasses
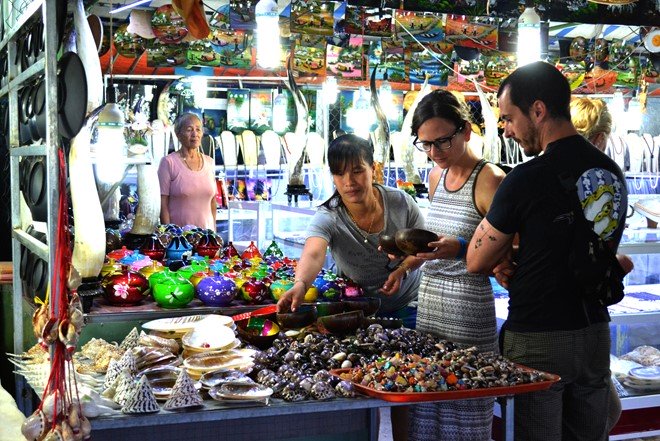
440 143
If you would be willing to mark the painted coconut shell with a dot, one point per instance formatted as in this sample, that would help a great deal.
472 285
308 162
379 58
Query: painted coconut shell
173 292
216 290
125 288
254 291
153 248
279 287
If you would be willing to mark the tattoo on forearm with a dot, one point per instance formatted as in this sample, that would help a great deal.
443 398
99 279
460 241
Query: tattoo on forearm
479 242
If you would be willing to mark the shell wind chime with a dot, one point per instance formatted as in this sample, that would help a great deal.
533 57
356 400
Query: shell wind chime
57 324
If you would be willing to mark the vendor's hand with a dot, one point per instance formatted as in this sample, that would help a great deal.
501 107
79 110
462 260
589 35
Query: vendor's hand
393 283
446 247
503 271
291 299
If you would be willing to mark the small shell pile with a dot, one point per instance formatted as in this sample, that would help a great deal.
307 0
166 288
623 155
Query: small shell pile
456 370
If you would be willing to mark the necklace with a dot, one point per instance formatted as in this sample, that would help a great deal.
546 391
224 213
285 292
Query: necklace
201 165
371 224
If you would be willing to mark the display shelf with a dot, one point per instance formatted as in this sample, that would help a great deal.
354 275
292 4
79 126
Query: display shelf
32 244
102 312
640 402
27 74
214 411
290 226
259 211
28 150
26 14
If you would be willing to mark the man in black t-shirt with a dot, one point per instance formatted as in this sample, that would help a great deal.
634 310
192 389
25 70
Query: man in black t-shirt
550 327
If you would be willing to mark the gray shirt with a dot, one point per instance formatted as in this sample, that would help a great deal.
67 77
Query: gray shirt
362 262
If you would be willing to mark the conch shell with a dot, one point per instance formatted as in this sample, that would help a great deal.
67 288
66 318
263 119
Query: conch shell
39 320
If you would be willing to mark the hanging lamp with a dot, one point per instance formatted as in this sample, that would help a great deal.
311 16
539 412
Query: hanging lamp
529 35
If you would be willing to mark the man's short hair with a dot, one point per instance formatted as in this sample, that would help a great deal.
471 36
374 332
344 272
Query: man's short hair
539 81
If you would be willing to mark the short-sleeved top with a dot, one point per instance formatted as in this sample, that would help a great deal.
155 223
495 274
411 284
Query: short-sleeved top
362 262
543 294
190 192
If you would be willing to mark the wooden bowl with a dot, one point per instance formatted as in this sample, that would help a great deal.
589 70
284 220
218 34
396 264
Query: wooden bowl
343 323
368 305
303 316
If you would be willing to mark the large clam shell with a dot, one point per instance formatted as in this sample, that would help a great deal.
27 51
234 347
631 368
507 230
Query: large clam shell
209 338
240 391
211 361
222 376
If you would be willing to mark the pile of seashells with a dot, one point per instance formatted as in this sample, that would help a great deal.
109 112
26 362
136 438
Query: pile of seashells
458 370
297 369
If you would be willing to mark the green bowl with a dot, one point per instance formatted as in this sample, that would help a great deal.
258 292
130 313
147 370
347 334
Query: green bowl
172 293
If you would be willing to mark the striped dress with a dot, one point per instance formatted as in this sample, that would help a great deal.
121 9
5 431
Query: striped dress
459 307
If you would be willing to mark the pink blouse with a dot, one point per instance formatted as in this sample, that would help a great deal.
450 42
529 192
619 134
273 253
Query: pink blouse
190 192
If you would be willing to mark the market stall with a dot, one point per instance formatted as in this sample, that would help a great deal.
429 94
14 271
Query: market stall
94 122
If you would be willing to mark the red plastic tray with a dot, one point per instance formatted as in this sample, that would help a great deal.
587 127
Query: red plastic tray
420 397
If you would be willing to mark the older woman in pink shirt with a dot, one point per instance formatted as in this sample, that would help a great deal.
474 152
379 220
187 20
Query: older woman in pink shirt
187 179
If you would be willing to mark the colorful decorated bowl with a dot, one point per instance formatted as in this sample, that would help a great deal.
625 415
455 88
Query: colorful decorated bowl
216 290
254 291
153 248
279 287
178 248
173 291
125 288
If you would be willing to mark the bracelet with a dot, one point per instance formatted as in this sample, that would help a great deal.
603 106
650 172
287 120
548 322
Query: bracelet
462 248
301 281
406 270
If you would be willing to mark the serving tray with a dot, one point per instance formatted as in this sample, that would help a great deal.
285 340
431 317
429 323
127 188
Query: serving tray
421 397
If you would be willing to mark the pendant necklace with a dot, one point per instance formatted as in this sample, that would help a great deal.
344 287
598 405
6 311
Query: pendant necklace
185 161
365 236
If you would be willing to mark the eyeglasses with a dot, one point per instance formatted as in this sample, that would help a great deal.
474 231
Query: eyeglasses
440 143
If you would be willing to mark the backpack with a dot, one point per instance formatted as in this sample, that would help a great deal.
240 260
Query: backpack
593 263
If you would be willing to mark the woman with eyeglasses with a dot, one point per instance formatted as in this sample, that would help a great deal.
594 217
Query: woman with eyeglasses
187 179
452 303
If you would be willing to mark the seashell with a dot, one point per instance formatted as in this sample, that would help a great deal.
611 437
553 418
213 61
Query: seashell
306 383
125 384
73 417
322 391
184 393
205 338
340 356
211 361
322 376
263 374
346 364
128 361
65 431
54 435
293 393
50 404
160 342
85 428
34 426
244 391
141 399
221 376
345 389
131 340
111 374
